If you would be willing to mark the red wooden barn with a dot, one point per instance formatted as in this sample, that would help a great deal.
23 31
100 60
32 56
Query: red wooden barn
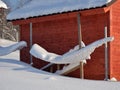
56 30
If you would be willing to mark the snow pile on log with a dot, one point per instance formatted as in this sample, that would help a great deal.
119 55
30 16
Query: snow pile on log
9 49
69 57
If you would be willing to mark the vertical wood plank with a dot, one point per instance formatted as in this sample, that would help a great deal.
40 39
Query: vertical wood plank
80 46
31 27
106 56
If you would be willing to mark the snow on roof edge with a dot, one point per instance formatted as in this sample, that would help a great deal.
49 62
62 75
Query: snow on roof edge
108 3
56 13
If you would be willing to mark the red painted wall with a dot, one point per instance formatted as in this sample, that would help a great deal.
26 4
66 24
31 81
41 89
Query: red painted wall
115 45
92 30
24 35
58 34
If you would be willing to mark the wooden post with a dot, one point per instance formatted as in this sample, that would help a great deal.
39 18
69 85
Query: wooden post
51 69
80 46
58 67
31 42
106 57
79 31
17 33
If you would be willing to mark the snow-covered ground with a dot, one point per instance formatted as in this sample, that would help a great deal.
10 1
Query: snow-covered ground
16 75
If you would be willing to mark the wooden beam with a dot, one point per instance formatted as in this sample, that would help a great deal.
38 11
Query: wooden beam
31 27
47 66
58 66
51 69
80 46
106 57
79 31
71 70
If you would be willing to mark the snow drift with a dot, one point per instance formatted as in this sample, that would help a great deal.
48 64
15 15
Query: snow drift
69 57
16 75
8 49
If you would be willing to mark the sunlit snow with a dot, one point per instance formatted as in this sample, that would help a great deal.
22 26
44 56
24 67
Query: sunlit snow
10 52
69 57
16 75
3 5
46 7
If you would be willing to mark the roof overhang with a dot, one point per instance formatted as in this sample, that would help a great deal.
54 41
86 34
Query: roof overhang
83 12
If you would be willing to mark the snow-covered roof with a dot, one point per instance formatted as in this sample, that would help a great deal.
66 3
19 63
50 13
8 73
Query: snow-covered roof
3 5
46 7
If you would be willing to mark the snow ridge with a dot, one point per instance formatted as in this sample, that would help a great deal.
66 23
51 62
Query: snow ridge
16 75
69 57
12 48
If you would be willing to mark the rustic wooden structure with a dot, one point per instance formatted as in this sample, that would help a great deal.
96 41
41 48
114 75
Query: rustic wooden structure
58 33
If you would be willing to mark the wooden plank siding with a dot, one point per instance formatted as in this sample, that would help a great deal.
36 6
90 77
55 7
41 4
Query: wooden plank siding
58 33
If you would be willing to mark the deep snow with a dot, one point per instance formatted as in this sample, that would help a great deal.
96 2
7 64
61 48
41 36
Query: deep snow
16 75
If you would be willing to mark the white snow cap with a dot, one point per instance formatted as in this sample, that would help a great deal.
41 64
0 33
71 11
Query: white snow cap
113 79
69 57
12 48
46 7
3 5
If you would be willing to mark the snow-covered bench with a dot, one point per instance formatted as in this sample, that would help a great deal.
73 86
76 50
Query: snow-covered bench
69 57
72 57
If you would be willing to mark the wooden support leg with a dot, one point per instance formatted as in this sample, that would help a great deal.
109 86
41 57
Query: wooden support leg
81 70
51 69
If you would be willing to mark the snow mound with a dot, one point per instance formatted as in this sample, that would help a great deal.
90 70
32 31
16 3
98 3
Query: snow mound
16 75
41 53
67 68
69 57
113 79
9 49
3 5
51 78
